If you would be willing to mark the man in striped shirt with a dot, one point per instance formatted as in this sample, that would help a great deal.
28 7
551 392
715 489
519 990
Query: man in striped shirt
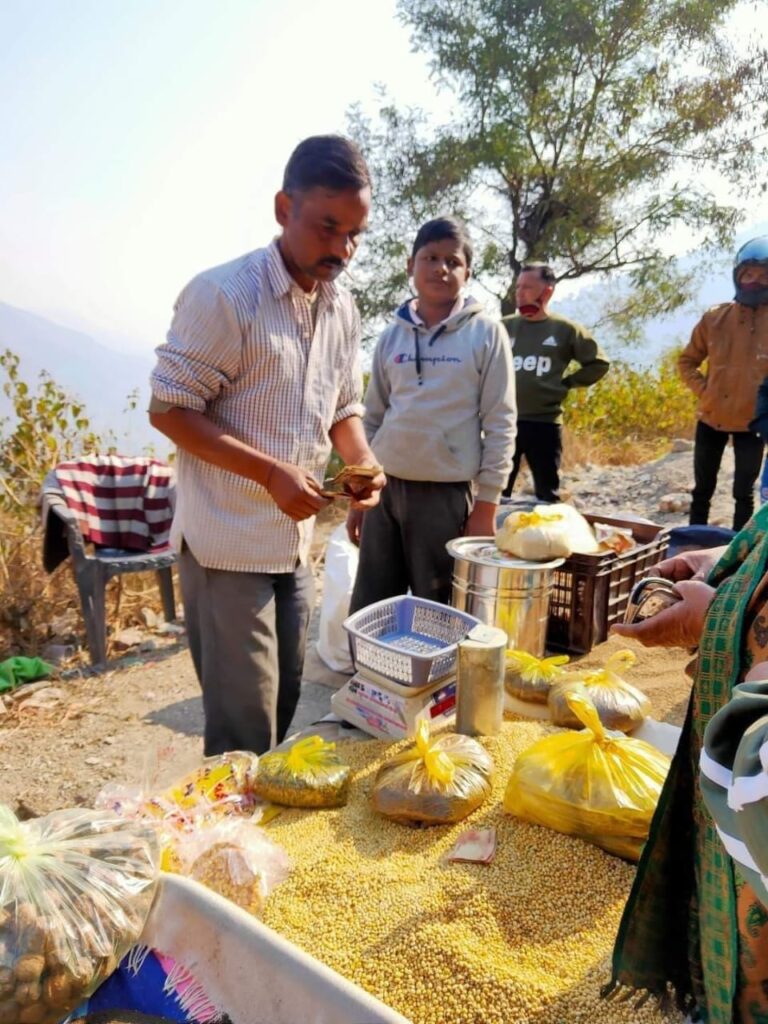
258 378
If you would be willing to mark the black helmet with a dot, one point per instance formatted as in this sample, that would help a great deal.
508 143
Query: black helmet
753 251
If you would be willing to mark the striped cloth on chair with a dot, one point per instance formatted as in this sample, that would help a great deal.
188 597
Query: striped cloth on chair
120 502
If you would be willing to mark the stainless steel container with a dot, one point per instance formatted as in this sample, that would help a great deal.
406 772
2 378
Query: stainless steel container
502 591
480 681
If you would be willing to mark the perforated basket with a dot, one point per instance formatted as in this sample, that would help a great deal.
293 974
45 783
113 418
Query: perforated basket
408 640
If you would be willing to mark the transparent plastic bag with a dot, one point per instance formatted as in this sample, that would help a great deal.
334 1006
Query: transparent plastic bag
598 785
529 678
309 774
219 787
435 781
75 890
619 704
236 859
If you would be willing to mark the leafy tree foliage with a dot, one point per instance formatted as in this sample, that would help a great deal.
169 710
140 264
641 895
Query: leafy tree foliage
583 132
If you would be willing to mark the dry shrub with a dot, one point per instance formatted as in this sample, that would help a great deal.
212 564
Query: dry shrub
630 416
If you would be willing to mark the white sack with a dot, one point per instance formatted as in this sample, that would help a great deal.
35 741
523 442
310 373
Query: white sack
341 558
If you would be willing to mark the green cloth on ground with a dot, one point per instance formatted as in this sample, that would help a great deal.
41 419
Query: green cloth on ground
679 930
15 671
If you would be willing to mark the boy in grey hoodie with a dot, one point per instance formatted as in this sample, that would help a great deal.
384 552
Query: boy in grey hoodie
440 417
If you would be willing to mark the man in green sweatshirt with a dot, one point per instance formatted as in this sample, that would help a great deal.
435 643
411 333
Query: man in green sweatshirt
543 345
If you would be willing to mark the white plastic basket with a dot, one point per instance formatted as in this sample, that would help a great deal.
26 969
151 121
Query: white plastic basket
408 640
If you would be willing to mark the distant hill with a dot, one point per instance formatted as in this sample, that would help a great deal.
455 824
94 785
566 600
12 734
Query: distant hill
101 377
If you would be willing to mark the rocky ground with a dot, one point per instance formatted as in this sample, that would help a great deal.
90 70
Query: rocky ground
61 742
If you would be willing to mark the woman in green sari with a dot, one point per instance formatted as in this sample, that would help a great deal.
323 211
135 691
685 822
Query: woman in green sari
692 929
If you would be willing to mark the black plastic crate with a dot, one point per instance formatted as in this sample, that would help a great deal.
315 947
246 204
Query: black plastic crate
591 592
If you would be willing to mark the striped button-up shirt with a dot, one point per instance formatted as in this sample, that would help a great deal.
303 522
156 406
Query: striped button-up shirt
243 349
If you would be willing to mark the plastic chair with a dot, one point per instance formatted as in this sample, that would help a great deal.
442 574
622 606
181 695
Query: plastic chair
93 572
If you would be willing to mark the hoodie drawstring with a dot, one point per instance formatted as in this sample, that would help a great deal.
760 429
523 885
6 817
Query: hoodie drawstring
417 347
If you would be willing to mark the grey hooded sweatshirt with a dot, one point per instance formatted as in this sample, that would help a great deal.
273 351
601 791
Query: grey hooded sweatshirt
440 404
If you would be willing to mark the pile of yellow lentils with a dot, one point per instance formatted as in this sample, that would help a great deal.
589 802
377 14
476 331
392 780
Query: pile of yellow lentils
524 940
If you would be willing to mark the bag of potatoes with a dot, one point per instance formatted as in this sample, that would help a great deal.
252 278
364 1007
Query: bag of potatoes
75 890
619 704
309 774
550 531
599 785
529 678
433 781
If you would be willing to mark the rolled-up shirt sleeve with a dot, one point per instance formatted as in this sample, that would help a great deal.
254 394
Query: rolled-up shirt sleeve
350 400
202 352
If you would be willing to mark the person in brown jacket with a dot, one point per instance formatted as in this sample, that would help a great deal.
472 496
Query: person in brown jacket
732 338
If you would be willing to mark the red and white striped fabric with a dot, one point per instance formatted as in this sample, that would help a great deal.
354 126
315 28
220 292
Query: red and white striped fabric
119 502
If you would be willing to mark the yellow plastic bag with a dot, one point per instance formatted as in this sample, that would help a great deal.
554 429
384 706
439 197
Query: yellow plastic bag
619 704
310 774
598 785
529 678
435 781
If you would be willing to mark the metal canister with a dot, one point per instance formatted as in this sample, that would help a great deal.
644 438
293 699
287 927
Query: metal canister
502 591
480 681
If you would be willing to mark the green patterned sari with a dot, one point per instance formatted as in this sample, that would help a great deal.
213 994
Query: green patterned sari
684 934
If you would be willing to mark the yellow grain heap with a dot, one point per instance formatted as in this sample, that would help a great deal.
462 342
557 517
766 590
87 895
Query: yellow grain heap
524 940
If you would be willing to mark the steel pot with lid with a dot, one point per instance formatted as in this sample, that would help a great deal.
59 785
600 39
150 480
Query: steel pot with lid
502 591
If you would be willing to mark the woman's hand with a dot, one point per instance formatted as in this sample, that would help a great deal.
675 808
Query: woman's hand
680 625
690 565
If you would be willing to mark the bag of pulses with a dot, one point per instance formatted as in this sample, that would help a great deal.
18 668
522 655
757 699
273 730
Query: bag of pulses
598 785
619 704
75 890
309 774
434 781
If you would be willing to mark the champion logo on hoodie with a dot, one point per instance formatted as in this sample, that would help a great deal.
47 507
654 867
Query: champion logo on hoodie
406 357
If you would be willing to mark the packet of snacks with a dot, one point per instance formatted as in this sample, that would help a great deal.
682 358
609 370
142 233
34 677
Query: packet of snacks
219 787
76 887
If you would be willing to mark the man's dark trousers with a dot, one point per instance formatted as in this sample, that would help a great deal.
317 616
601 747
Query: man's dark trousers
707 456
542 446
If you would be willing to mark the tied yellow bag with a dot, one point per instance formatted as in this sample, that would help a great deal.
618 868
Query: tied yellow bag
598 785
619 704
435 781
310 774
530 678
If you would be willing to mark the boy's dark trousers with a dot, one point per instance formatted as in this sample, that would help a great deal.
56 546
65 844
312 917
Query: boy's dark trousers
708 449
542 446
403 540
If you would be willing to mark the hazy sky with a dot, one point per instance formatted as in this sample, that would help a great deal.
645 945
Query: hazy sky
143 140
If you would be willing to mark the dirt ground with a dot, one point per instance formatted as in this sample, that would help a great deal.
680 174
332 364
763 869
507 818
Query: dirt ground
58 749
